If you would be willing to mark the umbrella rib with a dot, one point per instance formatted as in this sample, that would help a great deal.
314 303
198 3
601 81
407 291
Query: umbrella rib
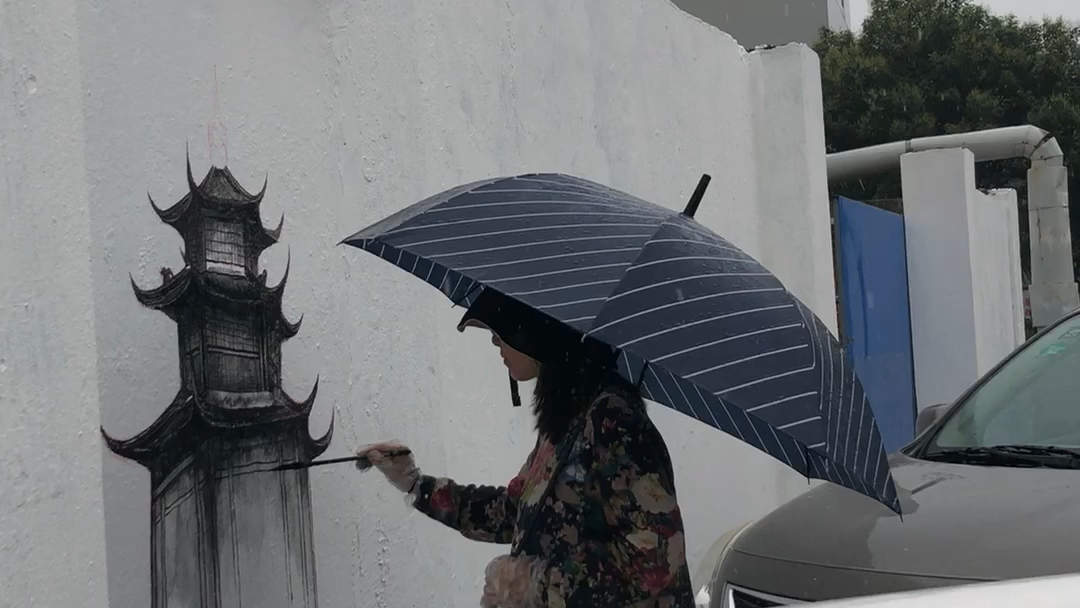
572 303
554 273
534 243
694 228
745 359
564 287
766 379
661 384
851 418
839 412
781 444
474 220
708 296
858 436
536 201
869 444
450 239
684 259
707 320
697 389
791 425
546 258
687 401
708 275
712 244
727 339
784 400
600 191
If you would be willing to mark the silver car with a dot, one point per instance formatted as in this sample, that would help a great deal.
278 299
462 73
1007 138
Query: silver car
990 490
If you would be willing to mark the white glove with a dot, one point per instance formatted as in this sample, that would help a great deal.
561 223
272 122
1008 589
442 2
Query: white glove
400 470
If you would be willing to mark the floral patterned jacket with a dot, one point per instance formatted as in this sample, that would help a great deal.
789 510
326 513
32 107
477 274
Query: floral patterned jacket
610 533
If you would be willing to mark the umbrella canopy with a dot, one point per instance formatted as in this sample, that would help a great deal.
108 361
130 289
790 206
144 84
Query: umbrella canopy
698 325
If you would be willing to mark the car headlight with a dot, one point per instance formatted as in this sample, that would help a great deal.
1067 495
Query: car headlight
710 564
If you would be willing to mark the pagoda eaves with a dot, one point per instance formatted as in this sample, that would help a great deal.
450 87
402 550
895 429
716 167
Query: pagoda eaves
222 192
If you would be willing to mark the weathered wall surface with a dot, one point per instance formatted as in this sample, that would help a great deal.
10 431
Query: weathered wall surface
52 536
353 110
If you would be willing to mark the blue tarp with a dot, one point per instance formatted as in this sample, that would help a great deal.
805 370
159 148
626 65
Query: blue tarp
874 314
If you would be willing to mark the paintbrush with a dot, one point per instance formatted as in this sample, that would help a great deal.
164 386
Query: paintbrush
363 460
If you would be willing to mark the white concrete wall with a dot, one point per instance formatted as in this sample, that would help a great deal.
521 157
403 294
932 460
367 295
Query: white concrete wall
963 273
52 536
354 110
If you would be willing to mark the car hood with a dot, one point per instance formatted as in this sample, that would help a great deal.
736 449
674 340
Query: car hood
960 521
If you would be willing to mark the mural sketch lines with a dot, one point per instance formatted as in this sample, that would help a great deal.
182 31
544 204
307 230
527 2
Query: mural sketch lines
221 536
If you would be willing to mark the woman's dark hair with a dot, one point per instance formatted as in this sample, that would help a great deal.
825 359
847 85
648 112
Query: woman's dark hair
567 388
573 371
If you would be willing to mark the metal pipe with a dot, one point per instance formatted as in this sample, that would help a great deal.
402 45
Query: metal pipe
1027 141
1053 286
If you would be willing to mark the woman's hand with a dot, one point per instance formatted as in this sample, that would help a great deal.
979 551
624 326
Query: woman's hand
399 470
512 582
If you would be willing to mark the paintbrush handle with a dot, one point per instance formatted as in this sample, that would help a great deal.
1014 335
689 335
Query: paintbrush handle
318 463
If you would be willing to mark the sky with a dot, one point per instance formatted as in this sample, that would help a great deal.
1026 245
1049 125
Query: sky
1024 9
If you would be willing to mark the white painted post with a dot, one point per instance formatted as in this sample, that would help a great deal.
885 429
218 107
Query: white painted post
1016 278
791 142
1053 284
964 284
938 190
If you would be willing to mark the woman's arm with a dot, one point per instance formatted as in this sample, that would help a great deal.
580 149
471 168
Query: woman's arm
482 513
635 548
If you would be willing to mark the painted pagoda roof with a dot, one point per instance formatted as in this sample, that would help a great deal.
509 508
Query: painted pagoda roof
190 416
219 190
172 292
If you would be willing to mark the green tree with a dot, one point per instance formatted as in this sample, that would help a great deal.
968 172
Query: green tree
932 67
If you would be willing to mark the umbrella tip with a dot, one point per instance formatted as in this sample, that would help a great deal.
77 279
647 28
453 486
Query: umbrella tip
699 193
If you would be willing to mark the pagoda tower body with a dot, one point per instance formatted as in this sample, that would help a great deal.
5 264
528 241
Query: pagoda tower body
227 532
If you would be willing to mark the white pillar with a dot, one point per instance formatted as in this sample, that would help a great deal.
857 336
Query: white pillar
994 239
790 142
939 189
1016 277
1053 285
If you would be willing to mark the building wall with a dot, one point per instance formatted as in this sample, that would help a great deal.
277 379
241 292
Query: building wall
771 22
963 268
352 110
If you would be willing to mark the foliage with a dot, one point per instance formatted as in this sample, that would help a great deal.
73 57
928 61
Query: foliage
931 67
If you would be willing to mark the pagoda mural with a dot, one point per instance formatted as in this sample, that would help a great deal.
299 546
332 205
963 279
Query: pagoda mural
226 530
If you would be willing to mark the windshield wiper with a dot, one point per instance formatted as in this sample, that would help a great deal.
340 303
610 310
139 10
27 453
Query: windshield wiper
1010 456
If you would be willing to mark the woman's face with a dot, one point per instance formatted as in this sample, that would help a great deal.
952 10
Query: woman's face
523 368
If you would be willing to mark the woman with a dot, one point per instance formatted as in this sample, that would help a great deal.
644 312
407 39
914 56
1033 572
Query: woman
592 517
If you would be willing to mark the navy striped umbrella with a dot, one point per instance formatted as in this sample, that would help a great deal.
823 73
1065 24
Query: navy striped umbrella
698 324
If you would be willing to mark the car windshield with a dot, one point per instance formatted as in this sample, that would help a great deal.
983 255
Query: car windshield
1030 401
